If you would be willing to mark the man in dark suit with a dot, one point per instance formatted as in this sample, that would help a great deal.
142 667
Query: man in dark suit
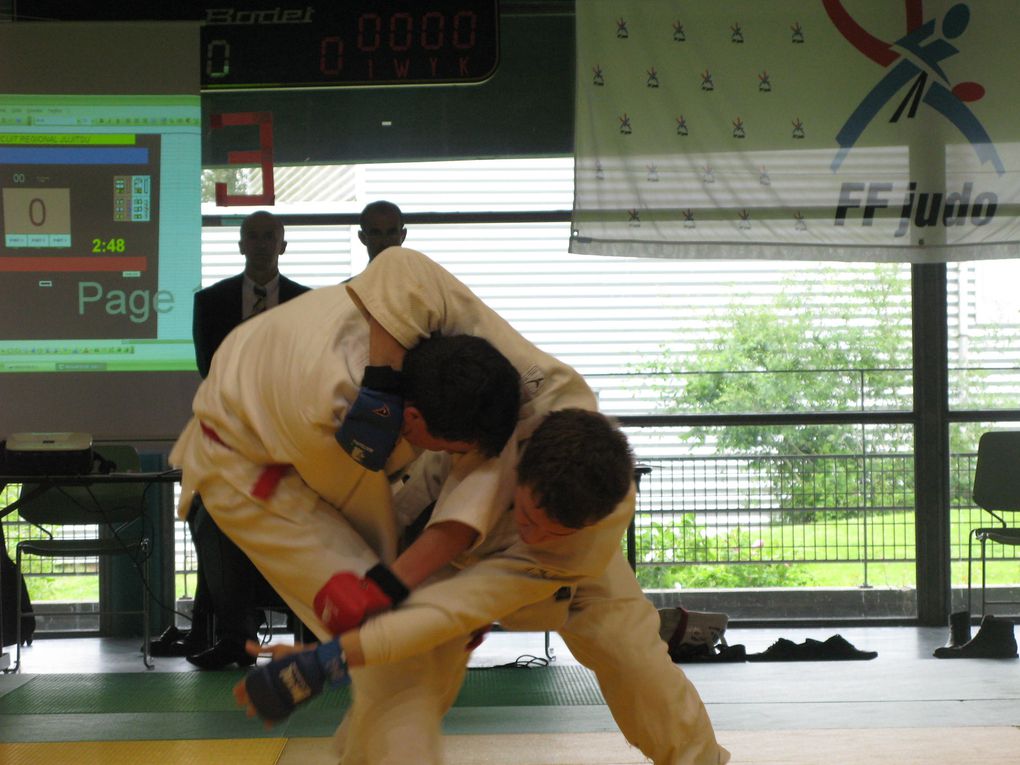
229 586
224 305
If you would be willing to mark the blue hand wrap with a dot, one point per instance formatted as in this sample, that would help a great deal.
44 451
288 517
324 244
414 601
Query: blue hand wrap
275 689
372 426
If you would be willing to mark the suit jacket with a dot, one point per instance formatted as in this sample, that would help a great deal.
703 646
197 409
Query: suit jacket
218 311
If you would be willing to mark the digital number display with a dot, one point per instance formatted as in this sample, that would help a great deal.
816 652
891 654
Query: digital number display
280 44
344 44
109 245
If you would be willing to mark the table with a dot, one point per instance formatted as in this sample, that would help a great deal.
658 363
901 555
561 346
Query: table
44 483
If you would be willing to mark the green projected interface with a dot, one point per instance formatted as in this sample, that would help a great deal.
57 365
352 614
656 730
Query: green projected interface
100 232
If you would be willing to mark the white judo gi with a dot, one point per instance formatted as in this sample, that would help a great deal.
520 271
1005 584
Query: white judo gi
579 585
261 452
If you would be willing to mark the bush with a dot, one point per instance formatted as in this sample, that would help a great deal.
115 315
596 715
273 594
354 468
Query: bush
695 545
724 576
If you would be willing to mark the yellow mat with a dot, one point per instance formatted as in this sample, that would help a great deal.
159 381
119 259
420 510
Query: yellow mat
264 751
907 746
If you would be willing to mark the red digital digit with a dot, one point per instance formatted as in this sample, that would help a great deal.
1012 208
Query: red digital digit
401 39
263 156
331 56
465 26
370 23
433 30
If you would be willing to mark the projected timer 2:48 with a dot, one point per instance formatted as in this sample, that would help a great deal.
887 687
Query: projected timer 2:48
114 245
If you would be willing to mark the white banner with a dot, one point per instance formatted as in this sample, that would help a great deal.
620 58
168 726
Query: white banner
826 129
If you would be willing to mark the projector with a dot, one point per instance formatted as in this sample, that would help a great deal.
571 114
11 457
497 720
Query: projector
48 453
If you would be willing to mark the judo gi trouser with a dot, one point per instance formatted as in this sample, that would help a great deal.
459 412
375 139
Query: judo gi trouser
613 629
397 712
610 627
293 537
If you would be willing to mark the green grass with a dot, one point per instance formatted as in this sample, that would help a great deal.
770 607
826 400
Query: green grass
81 588
822 553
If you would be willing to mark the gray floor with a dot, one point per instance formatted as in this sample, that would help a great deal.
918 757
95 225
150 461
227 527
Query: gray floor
904 687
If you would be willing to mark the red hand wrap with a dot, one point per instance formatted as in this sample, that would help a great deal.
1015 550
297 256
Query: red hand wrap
347 600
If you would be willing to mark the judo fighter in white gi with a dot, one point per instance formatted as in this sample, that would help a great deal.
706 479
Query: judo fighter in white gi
518 564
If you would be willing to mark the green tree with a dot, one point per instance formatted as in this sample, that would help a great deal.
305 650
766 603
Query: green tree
825 343
834 340
239 180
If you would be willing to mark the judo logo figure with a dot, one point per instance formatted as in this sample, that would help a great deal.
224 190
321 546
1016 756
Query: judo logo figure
948 100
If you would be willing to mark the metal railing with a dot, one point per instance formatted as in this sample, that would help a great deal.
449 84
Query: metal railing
752 509
729 511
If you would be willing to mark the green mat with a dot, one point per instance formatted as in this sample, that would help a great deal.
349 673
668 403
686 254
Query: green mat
168 692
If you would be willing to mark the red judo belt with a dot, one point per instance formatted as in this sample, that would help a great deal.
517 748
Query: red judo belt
268 479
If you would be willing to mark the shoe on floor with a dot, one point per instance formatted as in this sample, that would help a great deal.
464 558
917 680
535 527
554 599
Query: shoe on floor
781 650
994 640
706 654
176 642
959 629
836 648
221 656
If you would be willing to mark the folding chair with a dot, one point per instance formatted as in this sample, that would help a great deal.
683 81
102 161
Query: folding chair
997 492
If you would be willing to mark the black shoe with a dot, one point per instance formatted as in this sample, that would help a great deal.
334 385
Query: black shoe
691 653
781 650
706 654
836 648
959 631
222 655
995 640
175 642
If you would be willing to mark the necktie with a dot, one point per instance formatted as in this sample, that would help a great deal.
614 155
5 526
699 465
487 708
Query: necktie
260 300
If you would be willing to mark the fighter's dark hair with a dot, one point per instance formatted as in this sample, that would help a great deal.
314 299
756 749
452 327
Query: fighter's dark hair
578 466
465 389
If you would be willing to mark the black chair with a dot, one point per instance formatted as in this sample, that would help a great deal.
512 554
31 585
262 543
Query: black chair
997 492
112 514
